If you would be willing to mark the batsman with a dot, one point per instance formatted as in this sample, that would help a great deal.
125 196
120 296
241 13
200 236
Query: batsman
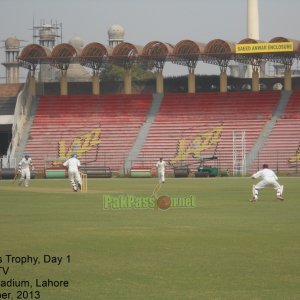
73 164
25 166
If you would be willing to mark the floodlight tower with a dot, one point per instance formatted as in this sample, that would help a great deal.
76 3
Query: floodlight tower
252 33
253 20
252 25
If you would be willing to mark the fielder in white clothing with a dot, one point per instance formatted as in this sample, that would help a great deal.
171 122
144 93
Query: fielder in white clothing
160 165
269 178
25 165
73 164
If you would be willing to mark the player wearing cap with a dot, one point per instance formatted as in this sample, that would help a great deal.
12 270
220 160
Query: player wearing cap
73 164
25 166
269 178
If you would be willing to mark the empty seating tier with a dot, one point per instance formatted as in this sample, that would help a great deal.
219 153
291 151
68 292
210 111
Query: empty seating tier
191 123
101 129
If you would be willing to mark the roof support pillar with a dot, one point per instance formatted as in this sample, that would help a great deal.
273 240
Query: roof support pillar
64 83
223 80
32 83
159 81
96 83
287 78
255 79
127 81
191 81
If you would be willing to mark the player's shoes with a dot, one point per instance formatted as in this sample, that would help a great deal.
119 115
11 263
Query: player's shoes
280 198
79 186
253 200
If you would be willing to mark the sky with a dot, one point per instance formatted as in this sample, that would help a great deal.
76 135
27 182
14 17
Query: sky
148 20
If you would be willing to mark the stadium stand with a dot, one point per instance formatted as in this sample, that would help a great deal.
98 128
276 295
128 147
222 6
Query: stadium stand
67 124
283 143
200 125
292 110
191 117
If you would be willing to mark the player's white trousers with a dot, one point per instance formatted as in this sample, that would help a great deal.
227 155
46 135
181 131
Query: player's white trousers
74 177
161 177
264 183
25 175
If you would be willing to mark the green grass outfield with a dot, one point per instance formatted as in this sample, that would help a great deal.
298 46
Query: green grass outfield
223 248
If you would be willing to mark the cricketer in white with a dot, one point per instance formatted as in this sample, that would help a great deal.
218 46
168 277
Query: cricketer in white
72 164
269 178
25 165
160 165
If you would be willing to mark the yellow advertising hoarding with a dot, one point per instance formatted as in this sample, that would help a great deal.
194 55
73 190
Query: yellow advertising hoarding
264 47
